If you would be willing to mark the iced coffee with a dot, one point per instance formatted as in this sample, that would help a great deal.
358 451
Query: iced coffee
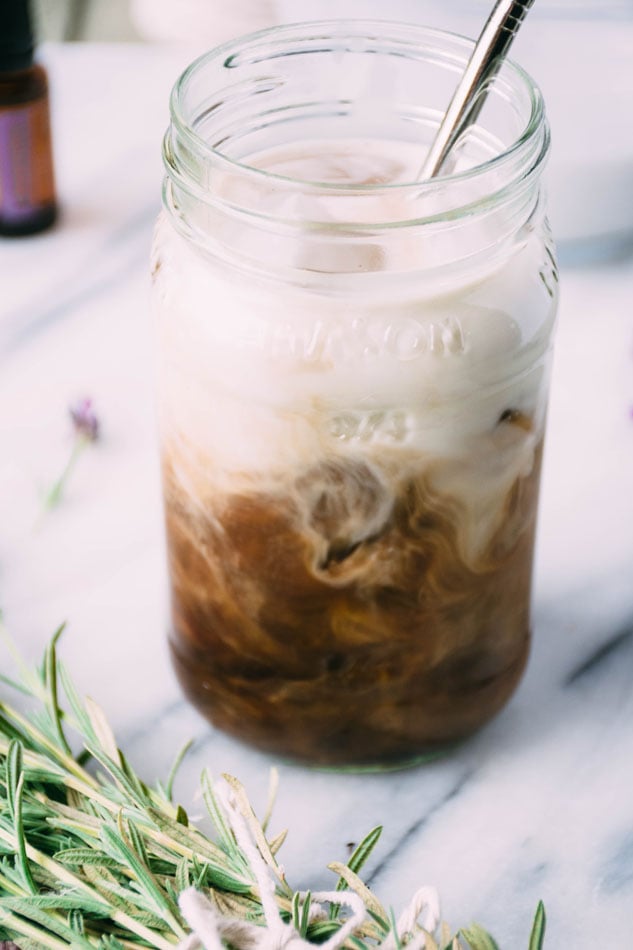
352 420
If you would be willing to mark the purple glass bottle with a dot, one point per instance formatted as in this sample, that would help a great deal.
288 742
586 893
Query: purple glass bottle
27 184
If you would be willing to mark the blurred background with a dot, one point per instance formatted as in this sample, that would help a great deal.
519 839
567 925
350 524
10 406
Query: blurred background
579 51
107 20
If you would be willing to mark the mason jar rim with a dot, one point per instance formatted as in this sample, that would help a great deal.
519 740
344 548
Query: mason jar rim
521 150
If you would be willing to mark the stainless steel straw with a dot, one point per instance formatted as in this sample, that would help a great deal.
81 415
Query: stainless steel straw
491 47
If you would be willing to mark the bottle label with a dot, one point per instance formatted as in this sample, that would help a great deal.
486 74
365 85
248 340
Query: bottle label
26 172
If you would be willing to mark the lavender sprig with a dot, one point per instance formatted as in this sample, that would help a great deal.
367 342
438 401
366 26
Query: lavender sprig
86 428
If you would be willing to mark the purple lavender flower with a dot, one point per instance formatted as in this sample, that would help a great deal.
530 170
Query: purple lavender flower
85 420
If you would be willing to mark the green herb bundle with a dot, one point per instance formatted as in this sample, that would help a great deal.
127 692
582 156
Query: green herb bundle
91 856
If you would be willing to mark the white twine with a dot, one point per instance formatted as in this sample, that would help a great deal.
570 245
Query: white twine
425 903
209 927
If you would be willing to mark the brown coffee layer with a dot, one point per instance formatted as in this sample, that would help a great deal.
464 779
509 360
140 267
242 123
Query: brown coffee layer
298 632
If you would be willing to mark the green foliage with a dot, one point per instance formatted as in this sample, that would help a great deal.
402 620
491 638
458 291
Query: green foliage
538 929
97 859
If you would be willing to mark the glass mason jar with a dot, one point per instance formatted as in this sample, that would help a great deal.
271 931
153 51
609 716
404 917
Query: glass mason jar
353 374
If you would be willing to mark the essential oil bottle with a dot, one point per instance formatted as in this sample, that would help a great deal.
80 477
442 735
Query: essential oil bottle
27 184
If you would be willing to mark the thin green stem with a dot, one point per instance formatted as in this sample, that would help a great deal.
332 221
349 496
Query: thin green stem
65 876
58 755
20 926
54 495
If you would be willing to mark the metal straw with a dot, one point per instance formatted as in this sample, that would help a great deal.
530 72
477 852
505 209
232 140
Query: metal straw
490 49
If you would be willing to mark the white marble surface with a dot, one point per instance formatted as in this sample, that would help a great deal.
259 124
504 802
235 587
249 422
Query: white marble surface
539 804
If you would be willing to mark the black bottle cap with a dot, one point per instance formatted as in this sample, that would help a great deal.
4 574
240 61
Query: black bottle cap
16 35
